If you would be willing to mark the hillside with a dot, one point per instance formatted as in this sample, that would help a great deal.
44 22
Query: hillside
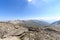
7 29
56 23
30 23
14 30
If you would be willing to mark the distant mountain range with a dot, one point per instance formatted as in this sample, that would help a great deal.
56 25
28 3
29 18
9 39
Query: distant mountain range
34 23
30 23
56 23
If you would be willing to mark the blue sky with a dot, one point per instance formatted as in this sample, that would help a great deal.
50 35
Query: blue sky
30 9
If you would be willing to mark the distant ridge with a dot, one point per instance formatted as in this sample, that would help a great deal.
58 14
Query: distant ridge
56 23
30 23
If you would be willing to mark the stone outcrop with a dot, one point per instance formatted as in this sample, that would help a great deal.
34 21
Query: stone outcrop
8 29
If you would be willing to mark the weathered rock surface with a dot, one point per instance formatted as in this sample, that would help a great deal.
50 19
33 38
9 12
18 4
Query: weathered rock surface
8 29
11 38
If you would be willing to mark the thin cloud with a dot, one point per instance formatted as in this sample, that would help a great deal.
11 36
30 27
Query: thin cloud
44 18
40 3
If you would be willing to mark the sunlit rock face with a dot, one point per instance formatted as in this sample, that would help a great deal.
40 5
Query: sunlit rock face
11 38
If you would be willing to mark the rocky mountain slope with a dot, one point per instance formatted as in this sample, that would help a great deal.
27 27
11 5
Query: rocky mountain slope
8 29
35 34
13 30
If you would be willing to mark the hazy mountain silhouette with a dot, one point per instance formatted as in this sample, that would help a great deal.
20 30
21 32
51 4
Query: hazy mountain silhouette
30 23
56 23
